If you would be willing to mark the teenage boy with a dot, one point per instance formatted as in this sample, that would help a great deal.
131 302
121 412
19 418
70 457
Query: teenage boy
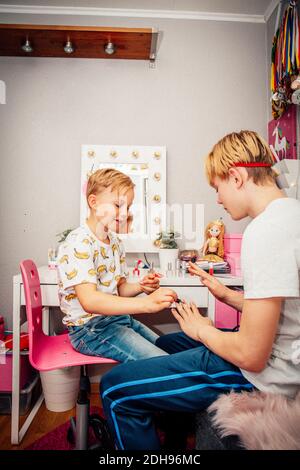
205 362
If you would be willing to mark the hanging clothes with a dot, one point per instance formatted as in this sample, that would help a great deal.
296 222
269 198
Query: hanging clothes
285 60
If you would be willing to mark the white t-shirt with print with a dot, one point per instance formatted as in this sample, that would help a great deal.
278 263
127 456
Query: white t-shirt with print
270 259
83 258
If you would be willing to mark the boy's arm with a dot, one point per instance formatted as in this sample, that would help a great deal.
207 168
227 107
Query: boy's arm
94 301
128 289
148 284
233 298
228 296
250 347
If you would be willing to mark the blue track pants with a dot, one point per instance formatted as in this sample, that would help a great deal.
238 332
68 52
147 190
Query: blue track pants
187 380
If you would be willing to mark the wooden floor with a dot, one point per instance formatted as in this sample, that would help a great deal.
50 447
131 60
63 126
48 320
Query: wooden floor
43 423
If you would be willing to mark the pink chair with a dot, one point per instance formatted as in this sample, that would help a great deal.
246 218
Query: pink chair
56 352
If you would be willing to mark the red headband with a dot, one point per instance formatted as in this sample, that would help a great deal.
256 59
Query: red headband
253 165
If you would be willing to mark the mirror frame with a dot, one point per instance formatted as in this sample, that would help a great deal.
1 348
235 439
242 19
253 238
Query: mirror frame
155 157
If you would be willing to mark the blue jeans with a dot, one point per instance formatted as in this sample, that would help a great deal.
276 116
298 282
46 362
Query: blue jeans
187 380
119 337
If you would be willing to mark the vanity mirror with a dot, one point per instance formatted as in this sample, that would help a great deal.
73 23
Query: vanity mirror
146 166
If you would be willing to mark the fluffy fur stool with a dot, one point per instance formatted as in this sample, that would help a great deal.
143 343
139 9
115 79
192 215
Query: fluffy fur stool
254 421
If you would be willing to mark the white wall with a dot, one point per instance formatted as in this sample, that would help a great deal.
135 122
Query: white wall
210 79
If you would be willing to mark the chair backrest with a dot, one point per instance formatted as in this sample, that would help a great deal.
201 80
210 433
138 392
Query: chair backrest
33 299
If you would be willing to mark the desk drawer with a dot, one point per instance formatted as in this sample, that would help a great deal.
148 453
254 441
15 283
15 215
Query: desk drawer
49 295
197 294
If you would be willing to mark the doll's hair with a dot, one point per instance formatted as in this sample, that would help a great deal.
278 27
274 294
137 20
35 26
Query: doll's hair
221 226
240 147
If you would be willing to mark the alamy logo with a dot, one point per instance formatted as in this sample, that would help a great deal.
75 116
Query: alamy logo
2 92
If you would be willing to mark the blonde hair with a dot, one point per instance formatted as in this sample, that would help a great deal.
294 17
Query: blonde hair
107 178
244 147
221 226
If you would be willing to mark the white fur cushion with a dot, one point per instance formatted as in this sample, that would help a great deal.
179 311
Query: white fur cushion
262 421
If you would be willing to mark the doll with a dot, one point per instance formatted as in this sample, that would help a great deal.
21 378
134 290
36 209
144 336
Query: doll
213 248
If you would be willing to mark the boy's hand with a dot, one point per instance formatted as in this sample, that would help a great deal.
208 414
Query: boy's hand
160 299
214 285
190 319
150 283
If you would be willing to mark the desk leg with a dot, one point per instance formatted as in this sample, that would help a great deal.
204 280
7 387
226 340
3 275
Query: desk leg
16 434
16 365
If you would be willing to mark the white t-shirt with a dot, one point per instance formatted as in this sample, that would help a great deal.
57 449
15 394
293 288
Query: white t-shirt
270 259
82 258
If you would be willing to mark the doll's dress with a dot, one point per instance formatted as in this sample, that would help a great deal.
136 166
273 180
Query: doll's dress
211 257
213 243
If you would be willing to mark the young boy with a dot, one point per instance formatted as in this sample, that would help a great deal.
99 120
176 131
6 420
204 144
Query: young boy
207 361
94 294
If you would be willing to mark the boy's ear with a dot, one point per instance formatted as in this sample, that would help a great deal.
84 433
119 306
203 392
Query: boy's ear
239 176
92 201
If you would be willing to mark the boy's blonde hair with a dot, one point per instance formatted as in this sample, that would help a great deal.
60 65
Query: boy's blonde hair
107 178
240 147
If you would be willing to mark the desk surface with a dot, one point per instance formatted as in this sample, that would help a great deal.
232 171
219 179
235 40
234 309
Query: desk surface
49 277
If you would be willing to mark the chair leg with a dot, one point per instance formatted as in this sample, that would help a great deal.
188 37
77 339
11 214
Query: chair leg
80 426
82 421
83 411
85 383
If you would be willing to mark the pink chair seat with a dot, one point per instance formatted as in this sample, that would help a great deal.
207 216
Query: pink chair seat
48 352
55 352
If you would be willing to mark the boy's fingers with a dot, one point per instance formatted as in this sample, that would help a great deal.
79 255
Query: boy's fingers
186 308
194 307
179 308
202 274
167 298
170 292
176 315
150 281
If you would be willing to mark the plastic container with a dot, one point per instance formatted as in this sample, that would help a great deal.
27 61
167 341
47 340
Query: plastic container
233 242
26 371
28 397
232 250
60 387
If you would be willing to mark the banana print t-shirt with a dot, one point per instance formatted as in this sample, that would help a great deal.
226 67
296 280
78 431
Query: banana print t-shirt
82 258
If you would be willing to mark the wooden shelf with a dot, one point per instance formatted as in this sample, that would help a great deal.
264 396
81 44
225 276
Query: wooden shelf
88 42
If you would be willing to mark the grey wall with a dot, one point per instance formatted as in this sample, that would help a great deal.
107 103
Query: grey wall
210 79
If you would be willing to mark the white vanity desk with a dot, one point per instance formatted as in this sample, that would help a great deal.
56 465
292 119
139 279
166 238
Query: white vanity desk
187 287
